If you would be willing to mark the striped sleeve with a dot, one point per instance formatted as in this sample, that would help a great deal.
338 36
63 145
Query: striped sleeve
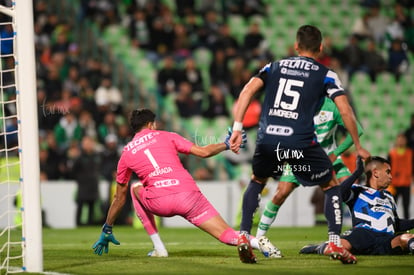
333 85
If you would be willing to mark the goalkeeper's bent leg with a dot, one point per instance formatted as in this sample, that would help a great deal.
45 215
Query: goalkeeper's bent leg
148 221
230 236
146 217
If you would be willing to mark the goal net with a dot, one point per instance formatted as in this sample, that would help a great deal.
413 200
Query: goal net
20 213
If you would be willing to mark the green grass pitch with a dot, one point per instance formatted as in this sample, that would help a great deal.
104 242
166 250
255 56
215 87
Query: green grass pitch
192 251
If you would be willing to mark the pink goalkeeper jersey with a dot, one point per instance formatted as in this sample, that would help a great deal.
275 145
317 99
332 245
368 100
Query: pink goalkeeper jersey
153 156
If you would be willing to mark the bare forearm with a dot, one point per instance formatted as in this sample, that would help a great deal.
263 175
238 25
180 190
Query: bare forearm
208 150
348 118
350 123
214 149
242 104
117 204
114 211
347 143
245 97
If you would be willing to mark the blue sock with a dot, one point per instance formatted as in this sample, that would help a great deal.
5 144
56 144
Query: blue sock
333 210
251 199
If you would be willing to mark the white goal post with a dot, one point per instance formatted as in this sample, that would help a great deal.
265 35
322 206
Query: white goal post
21 13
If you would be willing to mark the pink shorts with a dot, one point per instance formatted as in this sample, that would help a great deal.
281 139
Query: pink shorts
193 206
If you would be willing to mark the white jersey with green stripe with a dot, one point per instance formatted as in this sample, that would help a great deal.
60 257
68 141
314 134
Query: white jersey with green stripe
326 122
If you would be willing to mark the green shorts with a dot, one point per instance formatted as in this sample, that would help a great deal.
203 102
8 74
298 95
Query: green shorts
339 167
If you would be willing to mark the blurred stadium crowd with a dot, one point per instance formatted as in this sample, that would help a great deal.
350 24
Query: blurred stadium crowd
203 53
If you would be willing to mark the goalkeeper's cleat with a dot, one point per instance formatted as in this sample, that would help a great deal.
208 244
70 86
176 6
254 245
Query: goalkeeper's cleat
268 249
309 249
339 253
158 253
245 250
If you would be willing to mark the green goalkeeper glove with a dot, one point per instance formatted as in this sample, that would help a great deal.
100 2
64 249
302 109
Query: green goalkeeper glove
102 245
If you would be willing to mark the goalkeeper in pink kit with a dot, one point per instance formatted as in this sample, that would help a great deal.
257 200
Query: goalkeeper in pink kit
167 189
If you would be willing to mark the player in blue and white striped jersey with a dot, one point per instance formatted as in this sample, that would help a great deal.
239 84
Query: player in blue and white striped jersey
372 207
377 229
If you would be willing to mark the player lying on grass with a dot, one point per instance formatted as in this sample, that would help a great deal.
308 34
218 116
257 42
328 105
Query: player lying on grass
326 123
167 189
376 226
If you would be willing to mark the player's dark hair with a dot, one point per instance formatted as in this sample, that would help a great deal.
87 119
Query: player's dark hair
369 163
139 118
309 38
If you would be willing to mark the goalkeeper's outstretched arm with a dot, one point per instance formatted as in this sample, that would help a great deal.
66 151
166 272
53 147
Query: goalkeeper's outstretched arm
117 203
